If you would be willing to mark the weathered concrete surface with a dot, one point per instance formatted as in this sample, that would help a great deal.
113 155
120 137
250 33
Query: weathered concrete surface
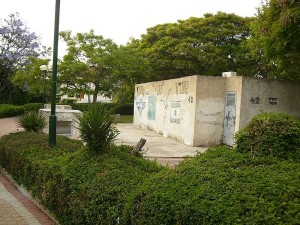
156 146
8 125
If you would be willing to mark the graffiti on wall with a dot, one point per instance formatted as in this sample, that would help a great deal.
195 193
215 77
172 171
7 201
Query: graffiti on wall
151 107
182 87
158 88
210 118
175 112
254 100
140 105
140 90
272 101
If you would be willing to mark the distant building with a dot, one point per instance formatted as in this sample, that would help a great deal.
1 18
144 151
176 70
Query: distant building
207 111
85 98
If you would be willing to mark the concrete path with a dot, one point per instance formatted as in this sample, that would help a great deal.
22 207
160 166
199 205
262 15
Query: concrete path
17 209
157 147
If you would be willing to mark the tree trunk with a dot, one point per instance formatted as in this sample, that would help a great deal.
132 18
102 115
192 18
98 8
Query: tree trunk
95 92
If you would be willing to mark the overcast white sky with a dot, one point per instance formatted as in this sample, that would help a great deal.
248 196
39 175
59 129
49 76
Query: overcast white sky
115 19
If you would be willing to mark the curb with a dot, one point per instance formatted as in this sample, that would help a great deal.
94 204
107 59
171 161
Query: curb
27 194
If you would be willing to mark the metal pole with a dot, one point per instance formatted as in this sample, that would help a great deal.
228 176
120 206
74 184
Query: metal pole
52 118
45 72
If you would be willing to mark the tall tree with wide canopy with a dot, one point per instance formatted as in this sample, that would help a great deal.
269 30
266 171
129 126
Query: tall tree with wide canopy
206 46
131 68
17 44
276 43
89 60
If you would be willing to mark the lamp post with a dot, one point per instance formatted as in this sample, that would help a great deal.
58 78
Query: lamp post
44 69
52 118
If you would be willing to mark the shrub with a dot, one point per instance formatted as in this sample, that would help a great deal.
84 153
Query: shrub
124 109
69 101
220 186
97 129
7 110
33 106
273 134
76 185
32 121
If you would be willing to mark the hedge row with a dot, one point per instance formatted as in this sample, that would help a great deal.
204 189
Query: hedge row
7 110
220 186
115 108
77 186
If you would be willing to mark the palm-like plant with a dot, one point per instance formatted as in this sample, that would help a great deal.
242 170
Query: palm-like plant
97 128
32 121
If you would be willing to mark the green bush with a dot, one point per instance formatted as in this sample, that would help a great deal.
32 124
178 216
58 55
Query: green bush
76 185
124 109
114 108
32 121
220 186
7 110
273 134
33 106
97 129
69 101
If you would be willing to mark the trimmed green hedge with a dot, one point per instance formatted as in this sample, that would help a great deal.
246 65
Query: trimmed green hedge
33 106
124 109
115 108
7 110
275 134
220 186
78 186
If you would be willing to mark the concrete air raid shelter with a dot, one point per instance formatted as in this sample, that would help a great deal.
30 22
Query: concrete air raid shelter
205 110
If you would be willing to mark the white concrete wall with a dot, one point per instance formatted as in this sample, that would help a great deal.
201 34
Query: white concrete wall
263 95
167 107
209 110
191 109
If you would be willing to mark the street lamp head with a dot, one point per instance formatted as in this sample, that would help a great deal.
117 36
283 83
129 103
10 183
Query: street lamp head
50 67
43 68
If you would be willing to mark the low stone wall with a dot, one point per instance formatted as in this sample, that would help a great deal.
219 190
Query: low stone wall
58 107
67 122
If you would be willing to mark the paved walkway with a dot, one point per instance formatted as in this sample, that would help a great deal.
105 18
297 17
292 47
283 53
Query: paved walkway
17 209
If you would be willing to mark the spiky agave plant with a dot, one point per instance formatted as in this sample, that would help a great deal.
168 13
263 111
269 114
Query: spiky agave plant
32 121
97 128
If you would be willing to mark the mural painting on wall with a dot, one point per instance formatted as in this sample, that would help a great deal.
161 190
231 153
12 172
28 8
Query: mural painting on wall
140 105
175 112
151 108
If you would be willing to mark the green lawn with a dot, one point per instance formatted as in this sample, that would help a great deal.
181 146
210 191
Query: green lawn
125 119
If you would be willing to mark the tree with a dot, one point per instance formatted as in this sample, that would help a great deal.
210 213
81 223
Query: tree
17 44
33 78
206 46
276 44
89 60
131 68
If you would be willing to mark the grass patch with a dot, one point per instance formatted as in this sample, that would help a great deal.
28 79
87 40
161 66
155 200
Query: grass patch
126 119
